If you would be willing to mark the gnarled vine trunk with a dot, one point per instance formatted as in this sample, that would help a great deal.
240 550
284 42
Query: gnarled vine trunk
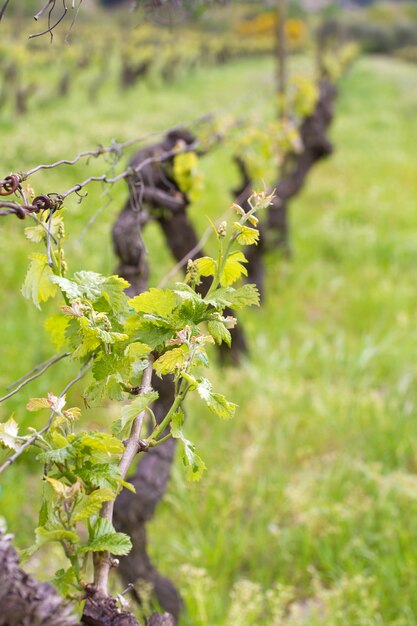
133 511
296 167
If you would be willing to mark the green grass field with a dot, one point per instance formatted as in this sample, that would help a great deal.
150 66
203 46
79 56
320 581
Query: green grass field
308 511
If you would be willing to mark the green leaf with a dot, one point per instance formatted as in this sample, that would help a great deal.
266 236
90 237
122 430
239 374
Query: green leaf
35 234
191 312
206 266
215 401
193 462
91 504
46 512
56 326
220 298
147 332
247 295
245 235
100 447
110 385
60 455
60 488
138 350
185 292
88 337
113 290
157 301
43 536
95 392
68 287
84 285
106 475
65 581
8 434
38 284
105 538
219 332
108 364
233 269
200 355
115 389
62 449
171 360
132 410
90 284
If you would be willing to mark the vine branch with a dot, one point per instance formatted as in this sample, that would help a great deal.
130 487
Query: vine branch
103 562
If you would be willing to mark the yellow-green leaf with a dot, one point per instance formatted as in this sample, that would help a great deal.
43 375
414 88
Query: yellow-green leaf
156 301
171 360
233 269
38 285
36 404
245 235
206 266
8 434
56 326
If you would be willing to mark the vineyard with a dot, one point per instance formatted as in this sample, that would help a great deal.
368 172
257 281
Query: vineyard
184 240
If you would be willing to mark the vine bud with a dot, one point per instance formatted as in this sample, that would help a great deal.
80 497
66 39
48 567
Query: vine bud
221 230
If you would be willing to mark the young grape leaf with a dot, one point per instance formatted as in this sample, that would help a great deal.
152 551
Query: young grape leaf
56 326
91 504
147 332
220 298
233 269
105 538
206 266
157 301
113 290
193 462
71 289
215 401
219 332
39 282
8 434
36 404
132 410
65 581
105 475
247 295
245 235
99 447
43 536
171 360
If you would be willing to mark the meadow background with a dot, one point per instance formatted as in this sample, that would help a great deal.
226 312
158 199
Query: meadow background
309 505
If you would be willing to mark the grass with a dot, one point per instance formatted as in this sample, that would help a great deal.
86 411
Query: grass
313 485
